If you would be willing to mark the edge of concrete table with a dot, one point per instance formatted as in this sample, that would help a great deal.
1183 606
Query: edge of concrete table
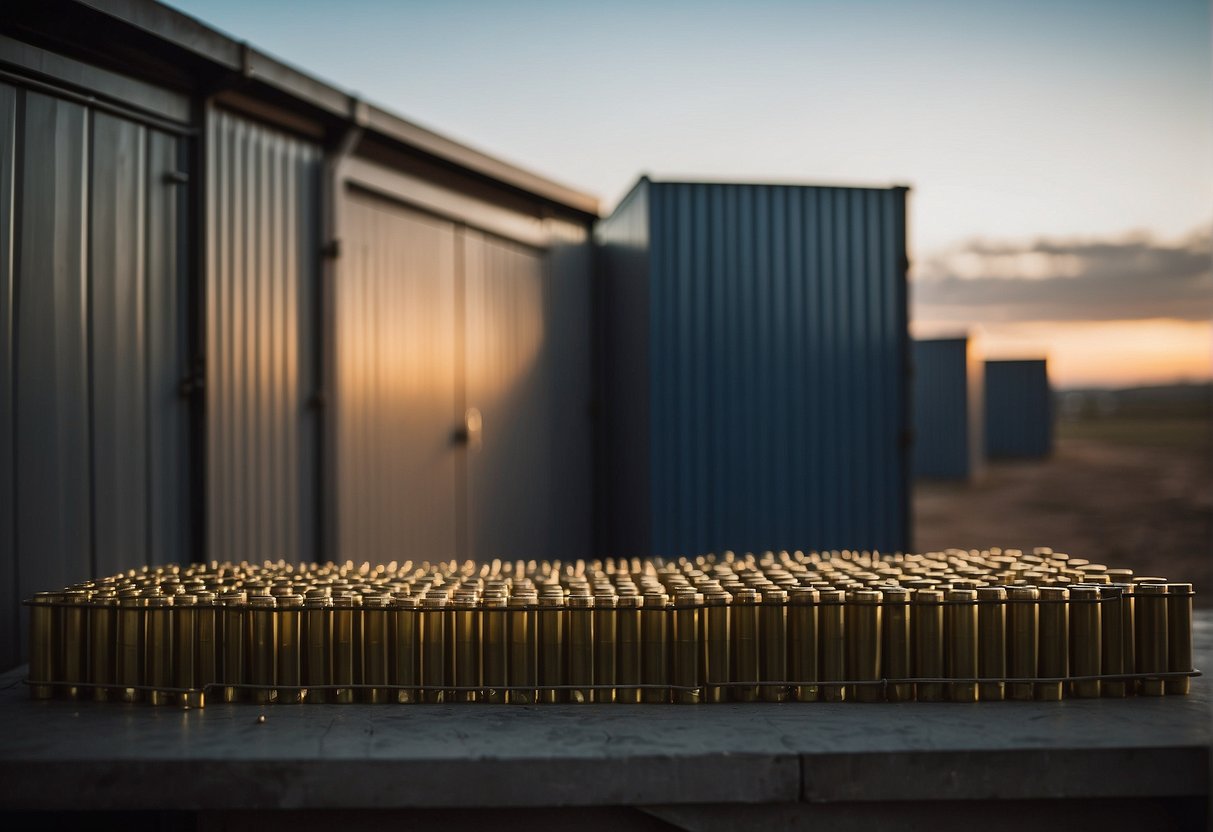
95 756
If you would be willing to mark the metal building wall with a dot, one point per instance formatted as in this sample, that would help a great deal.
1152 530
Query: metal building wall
94 443
263 192
948 404
777 358
1019 409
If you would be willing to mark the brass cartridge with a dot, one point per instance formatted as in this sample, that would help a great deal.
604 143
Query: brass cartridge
289 671
433 646
467 619
523 665
629 666
1022 645
73 641
342 653
206 627
1086 636
496 647
863 640
317 640
1179 636
159 649
991 641
580 647
745 621
234 667
655 647
262 641
897 654
1152 636
184 614
832 623
550 619
1054 641
405 646
802 643
716 614
604 647
129 657
773 644
928 630
102 634
687 647
1116 614
960 634
42 644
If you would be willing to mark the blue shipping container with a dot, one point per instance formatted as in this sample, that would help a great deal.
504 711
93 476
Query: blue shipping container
1019 409
948 434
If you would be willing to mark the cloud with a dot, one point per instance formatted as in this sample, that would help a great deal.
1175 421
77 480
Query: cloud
1127 278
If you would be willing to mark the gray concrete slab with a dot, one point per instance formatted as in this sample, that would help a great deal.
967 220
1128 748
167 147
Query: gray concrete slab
85 755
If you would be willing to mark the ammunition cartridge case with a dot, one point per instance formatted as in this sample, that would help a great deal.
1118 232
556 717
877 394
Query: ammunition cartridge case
991 641
1116 613
467 619
523 665
897 654
716 615
604 647
550 618
802 643
928 630
655 639
687 648
342 654
184 614
1054 641
863 639
1086 640
1179 636
832 623
288 674
375 648
42 644
206 623
262 626
745 621
960 634
234 668
581 647
129 660
317 636
629 665
1152 636
434 667
102 634
73 621
773 644
159 650
1022 646
496 648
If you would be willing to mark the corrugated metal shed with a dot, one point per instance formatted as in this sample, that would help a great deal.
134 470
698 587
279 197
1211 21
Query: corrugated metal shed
755 363
948 404
1019 409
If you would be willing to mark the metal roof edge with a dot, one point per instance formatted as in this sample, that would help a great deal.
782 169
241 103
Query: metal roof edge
188 33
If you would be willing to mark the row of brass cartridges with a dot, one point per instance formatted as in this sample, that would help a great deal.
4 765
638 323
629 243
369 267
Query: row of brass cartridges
466 645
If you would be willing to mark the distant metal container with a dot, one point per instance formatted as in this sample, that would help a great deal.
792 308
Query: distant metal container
754 351
948 404
1019 409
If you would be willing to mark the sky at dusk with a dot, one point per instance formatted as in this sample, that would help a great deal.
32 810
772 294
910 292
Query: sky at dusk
1060 153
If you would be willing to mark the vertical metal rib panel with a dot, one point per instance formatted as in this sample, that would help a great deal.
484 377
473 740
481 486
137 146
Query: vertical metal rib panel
396 383
1019 409
51 434
776 353
10 610
262 285
946 421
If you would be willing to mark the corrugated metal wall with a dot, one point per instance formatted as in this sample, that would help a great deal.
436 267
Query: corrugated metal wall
263 238
777 367
948 430
92 348
1019 409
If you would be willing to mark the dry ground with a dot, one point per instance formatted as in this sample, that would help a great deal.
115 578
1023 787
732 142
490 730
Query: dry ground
1132 493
